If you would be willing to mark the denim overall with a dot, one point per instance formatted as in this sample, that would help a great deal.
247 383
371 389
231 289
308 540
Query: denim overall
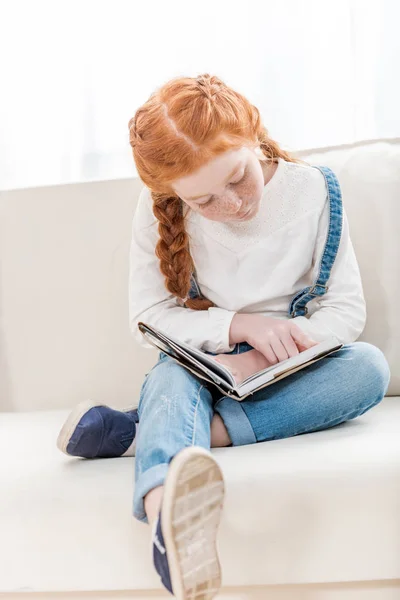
176 407
298 305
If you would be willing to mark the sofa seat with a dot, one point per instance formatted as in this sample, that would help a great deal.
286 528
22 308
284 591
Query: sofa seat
323 507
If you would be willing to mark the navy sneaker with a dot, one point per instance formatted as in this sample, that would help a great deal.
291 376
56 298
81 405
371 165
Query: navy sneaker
185 533
98 431
160 558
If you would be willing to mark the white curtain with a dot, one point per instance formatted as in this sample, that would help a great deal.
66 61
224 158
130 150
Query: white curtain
73 72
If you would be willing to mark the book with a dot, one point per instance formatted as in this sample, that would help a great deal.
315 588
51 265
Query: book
204 366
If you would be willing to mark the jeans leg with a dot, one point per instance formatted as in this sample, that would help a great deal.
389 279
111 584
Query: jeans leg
175 411
338 388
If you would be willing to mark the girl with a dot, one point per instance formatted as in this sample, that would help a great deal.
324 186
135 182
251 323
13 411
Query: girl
243 251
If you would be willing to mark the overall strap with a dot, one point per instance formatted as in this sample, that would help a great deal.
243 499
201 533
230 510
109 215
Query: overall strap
298 305
194 291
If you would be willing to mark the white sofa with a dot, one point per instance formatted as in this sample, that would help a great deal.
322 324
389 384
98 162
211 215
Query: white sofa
316 517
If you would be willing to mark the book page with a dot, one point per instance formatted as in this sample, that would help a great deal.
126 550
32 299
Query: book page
288 366
181 351
205 366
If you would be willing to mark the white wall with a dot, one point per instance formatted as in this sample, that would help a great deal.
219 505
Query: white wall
64 333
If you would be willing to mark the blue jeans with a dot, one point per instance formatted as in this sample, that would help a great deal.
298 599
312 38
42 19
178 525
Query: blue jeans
176 408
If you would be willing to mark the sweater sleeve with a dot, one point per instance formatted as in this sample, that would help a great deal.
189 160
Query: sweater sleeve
341 311
150 301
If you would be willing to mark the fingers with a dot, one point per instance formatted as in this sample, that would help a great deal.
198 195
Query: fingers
278 347
289 344
303 341
278 339
266 349
283 346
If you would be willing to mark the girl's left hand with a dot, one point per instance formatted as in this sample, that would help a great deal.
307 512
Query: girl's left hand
243 365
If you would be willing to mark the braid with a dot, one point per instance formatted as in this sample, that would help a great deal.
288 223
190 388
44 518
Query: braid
209 85
172 249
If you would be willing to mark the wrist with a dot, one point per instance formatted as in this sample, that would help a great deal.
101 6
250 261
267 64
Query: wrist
237 329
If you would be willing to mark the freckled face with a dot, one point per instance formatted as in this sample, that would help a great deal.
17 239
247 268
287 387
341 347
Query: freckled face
228 188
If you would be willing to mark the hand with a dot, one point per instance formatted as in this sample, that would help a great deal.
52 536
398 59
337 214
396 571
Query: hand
243 365
276 339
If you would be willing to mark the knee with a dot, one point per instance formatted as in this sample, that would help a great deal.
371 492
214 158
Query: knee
370 371
167 386
167 374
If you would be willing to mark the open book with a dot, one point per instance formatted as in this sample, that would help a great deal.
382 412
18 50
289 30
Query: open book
204 366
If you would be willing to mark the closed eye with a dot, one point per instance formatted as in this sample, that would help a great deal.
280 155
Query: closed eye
209 201
239 180
233 183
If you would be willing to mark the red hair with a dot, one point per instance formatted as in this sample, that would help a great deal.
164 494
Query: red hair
182 126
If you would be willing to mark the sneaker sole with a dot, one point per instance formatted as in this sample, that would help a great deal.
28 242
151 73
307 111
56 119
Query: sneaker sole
191 508
73 420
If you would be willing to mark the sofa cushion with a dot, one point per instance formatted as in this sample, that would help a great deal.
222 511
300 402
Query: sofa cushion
321 507
369 175
64 279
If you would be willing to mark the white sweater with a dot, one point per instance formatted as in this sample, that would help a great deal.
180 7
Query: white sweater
251 267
